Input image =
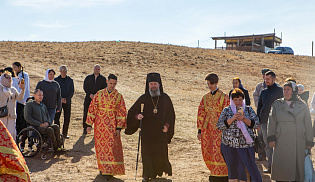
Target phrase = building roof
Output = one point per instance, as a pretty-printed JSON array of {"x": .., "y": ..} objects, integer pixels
[{"x": 266, "y": 36}]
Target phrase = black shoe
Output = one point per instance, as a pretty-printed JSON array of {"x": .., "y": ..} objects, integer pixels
[
  {"x": 84, "y": 132},
  {"x": 218, "y": 179},
  {"x": 145, "y": 179},
  {"x": 261, "y": 159},
  {"x": 108, "y": 177},
  {"x": 268, "y": 170},
  {"x": 67, "y": 137}
]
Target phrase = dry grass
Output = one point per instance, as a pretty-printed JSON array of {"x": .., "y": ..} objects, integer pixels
[{"x": 183, "y": 71}]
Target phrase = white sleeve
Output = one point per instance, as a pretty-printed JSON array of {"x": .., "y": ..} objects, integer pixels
[
  {"x": 27, "y": 87},
  {"x": 313, "y": 101}
]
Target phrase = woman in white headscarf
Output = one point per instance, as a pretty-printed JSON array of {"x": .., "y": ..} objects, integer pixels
[
  {"x": 304, "y": 95},
  {"x": 52, "y": 93},
  {"x": 8, "y": 97}
]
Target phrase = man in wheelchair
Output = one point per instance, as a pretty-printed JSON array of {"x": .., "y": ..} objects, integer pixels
[{"x": 36, "y": 114}]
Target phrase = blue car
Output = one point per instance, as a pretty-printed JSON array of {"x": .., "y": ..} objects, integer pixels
[{"x": 281, "y": 50}]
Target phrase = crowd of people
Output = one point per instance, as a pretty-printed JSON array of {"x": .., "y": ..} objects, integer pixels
[
  {"x": 226, "y": 122},
  {"x": 226, "y": 127},
  {"x": 18, "y": 110}
]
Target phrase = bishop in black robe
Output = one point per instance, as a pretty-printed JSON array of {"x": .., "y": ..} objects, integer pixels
[{"x": 158, "y": 113}]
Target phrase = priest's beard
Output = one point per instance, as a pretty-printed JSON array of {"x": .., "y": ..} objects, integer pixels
[{"x": 155, "y": 93}]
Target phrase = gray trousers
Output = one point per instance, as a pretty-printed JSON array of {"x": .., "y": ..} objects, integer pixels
[{"x": 269, "y": 151}]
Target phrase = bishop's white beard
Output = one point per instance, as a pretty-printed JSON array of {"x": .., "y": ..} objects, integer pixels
[{"x": 155, "y": 92}]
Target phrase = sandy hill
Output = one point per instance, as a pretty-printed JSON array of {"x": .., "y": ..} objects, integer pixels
[{"x": 183, "y": 71}]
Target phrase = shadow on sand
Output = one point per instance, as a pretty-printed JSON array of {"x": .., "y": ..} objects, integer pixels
[
  {"x": 36, "y": 164},
  {"x": 80, "y": 149},
  {"x": 162, "y": 180},
  {"x": 100, "y": 178}
]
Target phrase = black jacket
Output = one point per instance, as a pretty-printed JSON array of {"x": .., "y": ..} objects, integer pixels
[
  {"x": 266, "y": 99},
  {"x": 67, "y": 88},
  {"x": 247, "y": 99},
  {"x": 91, "y": 86}
]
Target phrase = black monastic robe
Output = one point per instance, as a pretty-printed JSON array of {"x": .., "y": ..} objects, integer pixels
[{"x": 154, "y": 142}]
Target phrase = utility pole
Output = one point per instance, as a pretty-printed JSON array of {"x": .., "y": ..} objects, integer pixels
[
  {"x": 253, "y": 43},
  {"x": 312, "y": 48},
  {"x": 198, "y": 43}
]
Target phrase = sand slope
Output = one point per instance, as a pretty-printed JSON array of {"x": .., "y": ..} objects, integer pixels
[{"x": 183, "y": 71}]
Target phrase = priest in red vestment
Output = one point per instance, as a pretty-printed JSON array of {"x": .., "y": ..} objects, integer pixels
[
  {"x": 209, "y": 111},
  {"x": 107, "y": 112},
  {"x": 12, "y": 164}
]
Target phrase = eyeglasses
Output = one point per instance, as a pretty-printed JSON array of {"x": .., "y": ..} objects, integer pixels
[
  {"x": 63, "y": 70},
  {"x": 7, "y": 77}
]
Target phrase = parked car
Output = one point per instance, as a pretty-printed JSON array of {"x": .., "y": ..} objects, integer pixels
[{"x": 281, "y": 50}]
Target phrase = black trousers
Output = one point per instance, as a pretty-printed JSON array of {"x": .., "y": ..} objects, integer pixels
[
  {"x": 66, "y": 115},
  {"x": 85, "y": 111},
  {"x": 20, "y": 121},
  {"x": 53, "y": 132}
]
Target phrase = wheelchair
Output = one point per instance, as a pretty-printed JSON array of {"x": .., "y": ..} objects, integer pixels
[{"x": 31, "y": 142}]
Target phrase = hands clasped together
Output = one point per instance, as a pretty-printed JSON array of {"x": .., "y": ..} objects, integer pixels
[{"x": 140, "y": 116}]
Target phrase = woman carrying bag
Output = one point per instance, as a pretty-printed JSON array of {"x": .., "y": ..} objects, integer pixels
[
  {"x": 290, "y": 134},
  {"x": 8, "y": 97}
]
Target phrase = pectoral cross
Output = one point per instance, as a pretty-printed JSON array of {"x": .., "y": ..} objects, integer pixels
[{"x": 155, "y": 110}]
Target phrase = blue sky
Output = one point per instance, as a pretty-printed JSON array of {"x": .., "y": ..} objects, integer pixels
[{"x": 158, "y": 21}]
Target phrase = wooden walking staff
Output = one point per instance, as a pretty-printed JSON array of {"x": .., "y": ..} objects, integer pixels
[{"x": 142, "y": 106}]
